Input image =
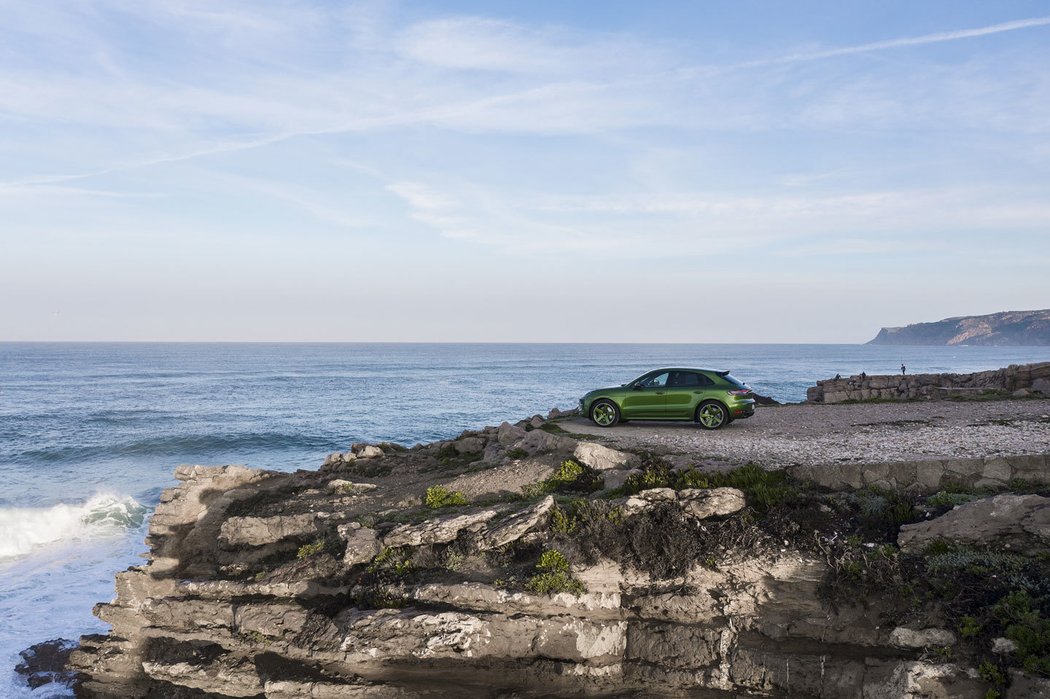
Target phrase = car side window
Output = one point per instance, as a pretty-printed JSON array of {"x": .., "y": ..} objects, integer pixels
[
  {"x": 658, "y": 381},
  {"x": 689, "y": 379},
  {"x": 683, "y": 379}
]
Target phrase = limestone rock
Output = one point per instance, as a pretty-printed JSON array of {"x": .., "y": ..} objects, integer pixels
[
  {"x": 602, "y": 458},
  {"x": 469, "y": 445},
  {"x": 362, "y": 543},
  {"x": 1003, "y": 646},
  {"x": 615, "y": 478},
  {"x": 517, "y": 525},
  {"x": 647, "y": 498},
  {"x": 918, "y": 639},
  {"x": 344, "y": 487},
  {"x": 543, "y": 442},
  {"x": 1015, "y": 521},
  {"x": 440, "y": 530},
  {"x": 44, "y": 663},
  {"x": 509, "y": 434},
  {"x": 699, "y": 503},
  {"x": 506, "y": 478},
  {"x": 368, "y": 451},
  {"x": 257, "y": 531},
  {"x": 715, "y": 502},
  {"x": 375, "y": 635}
]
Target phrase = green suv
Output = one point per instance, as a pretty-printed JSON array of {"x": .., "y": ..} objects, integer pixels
[{"x": 712, "y": 398}]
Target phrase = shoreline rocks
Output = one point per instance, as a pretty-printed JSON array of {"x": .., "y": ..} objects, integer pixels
[{"x": 534, "y": 576}]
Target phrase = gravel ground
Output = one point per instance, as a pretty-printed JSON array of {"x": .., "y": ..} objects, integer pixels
[{"x": 863, "y": 432}]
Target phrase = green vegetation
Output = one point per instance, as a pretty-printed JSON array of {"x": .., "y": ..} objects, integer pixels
[
  {"x": 308, "y": 550},
  {"x": 763, "y": 489},
  {"x": 950, "y": 499},
  {"x": 439, "y": 496},
  {"x": 393, "y": 561},
  {"x": 571, "y": 477},
  {"x": 969, "y": 627},
  {"x": 579, "y": 513},
  {"x": 1026, "y": 623},
  {"x": 553, "y": 576},
  {"x": 517, "y": 453},
  {"x": 254, "y": 637}
]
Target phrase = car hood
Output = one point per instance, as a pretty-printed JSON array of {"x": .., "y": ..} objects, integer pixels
[{"x": 610, "y": 389}]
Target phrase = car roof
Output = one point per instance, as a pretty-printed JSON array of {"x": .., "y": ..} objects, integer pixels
[{"x": 720, "y": 372}]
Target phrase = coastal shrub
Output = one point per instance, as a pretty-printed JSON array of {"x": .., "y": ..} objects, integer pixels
[
  {"x": 992, "y": 674},
  {"x": 988, "y": 593},
  {"x": 553, "y": 576},
  {"x": 969, "y": 627},
  {"x": 763, "y": 488},
  {"x": 662, "y": 540},
  {"x": 517, "y": 453},
  {"x": 1026, "y": 624},
  {"x": 877, "y": 514},
  {"x": 571, "y": 477},
  {"x": 949, "y": 500},
  {"x": 391, "y": 562},
  {"x": 311, "y": 549},
  {"x": 580, "y": 513},
  {"x": 859, "y": 571},
  {"x": 439, "y": 496}
]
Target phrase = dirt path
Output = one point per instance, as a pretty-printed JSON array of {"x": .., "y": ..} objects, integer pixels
[{"x": 865, "y": 432}]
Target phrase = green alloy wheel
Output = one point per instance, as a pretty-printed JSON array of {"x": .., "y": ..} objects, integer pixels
[
  {"x": 711, "y": 415},
  {"x": 605, "y": 413}
]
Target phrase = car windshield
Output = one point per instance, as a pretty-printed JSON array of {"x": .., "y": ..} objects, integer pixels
[{"x": 651, "y": 380}]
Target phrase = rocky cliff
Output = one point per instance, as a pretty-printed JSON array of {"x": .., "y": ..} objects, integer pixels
[
  {"x": 1007, "y": 328},
  {"x": 521, "y": 561},
  {"x": 1019, "y": 380}
]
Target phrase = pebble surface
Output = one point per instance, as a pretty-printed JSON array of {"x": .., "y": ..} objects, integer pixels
[{"x": 814, "y": 434}]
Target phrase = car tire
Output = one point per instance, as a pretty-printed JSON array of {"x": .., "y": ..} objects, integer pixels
[
  {"x": 712, "y": 415},
  {"x": 604, "y": 413}
]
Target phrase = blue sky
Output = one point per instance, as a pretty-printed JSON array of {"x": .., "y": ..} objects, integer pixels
[{"x": 524, "y": 171}]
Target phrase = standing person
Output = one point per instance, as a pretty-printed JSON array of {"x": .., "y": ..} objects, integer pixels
[{"x": 903, "y": 368}]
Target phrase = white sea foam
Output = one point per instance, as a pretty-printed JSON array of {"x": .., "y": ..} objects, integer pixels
[{"x": 23, "y": 529}]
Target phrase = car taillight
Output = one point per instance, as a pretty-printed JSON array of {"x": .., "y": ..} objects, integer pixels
[{"x": 740, "y": 392}]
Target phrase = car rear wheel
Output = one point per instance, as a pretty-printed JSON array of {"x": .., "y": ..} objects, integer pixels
[
  {"x": 604, "y": 413},
  {"x": 711, "y": 415}
]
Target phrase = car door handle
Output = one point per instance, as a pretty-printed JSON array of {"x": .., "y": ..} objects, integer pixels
[{"x": 659, "y": 393}]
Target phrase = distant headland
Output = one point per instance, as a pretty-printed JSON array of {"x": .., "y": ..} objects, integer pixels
[{"x": 1008, "y": 328}]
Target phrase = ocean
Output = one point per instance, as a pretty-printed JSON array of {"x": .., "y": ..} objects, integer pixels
[{"x": 90, "y": 433}]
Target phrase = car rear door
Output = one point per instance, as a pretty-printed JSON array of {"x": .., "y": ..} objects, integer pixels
[
  {"x": 685, "y": 390},
  {"x": 647, "y": 398}
]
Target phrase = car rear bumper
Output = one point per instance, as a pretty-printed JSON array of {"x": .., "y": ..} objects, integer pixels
[{"x": 742, "y": 409}]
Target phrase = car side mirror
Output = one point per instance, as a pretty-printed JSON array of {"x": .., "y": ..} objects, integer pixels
[{"x": 637, "y": 387}]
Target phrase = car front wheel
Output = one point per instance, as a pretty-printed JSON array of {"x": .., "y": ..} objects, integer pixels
[
  {"x": 711, "y": 415},
  {"x": 604, "y": 413}
]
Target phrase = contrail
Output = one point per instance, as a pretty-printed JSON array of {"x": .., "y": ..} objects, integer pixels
[{"x": 906, "y": 41}]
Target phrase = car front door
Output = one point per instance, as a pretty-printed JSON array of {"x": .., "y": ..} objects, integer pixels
[
  {"x": 685, "y": 390},
  {"x": 647, "y": 398}
]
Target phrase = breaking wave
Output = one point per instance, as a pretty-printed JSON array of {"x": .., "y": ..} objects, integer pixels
[{"x": 24, "y": 528}]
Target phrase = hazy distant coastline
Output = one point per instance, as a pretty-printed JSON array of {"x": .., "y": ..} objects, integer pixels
[{"x": 1005, "y": 329}]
